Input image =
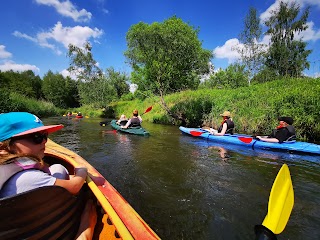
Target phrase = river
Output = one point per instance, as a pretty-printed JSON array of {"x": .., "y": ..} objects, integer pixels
[{"x": 187, "y": 188}]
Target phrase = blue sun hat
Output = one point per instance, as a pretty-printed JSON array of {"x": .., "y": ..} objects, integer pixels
[{"x": 16, "y": 124}]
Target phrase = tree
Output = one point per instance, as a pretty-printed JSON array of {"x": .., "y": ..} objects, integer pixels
[
  {"x": 88, "y": 74},
  {"x": 118, "y": 81},
  {"x": 166, "y": 57},
  {"x": 62, "y": 92},
  {"x": 287, "y": 55},
  {"x": 234, "y": 76},
  {"x": 250, "y": 50},
  {"x": 25, "y": 83}
]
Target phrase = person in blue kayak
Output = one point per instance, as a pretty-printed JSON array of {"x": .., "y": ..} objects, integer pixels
[
  {"x": 284, "y": 132},
  {"x": 135, "y": 121},
  {"x": 226, "y": 127}
]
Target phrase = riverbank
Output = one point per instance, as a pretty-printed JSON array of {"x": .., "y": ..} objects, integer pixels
[{"x": 254, "y": 109}]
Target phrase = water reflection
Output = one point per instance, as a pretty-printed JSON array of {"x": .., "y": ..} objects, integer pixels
[{"x": 186, "y": 188}]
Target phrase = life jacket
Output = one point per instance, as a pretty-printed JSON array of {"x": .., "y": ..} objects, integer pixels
[
  {"x": 230, "y": 126},
  {"x": 135, "y": 122},
  {"x": 18, "y": 165}
]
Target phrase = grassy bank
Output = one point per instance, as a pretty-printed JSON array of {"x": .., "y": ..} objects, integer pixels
[
  {"x": 254, "y": 109},
  {"x": 11, "y": 102}
]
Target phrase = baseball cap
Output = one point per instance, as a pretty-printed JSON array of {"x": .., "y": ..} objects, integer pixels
[
  {"x": 16, "y": 124},
  {"x": 288, "y": 120}
]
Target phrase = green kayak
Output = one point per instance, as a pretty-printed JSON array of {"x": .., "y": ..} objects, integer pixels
[{"x": 132, "y": 130}]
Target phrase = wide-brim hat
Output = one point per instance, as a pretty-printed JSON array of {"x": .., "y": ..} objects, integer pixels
[
  {"x": 288, "y": 120},
  {"x": 225, "y": 114},
  {"x": 16, "y": 124}
]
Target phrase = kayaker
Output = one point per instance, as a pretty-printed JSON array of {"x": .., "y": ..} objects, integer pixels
[
  {"x": 226, "y": 127},
  {"x": 284, "y": 132},
  {"x": 122, "y": 120},
  {"x": 22, "y": 144},
  {"x": 135, "y": 121}
]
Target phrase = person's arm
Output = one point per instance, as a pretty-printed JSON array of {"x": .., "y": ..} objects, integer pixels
[
  {"x": 140, "y": 119},
  {"x": 223, "y": 131},
  {"x": 74, "y": 184},
  {"x": 266, "y": 139},
  {"x": 127, "y": 125}
]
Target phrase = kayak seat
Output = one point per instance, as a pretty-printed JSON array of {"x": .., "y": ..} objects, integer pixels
[
  {"x": 230, "y": 131},
  {"x": 49, "y": 212},
  {"x": 291, "y": 139}
]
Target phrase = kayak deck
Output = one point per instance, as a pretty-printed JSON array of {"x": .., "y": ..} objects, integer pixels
[
  {"x": 131, "y": 130},
  {"x": 251, "y": 142},
  {"x": 60, "y": 211}
]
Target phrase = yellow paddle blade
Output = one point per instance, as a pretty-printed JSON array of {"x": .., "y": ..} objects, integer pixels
[{"x": 281, "y": 202}]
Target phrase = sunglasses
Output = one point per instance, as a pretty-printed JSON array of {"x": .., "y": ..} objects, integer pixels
[{"x": 36, "y": 138}]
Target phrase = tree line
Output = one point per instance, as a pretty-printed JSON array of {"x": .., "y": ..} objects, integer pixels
[{"x": 168, "y": 57}]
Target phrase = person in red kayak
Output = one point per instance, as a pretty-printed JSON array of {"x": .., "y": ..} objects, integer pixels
[{"x": 284, "y": 132}]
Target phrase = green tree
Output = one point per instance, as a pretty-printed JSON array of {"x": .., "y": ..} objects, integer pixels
[
  {"x": 166, "y": 57},
  {"x": 234, "y": 76},
  {"x": 118, "y": 81},
  {"x": 287, "y": 55},
  {"x": 91, "y": 85},
  {"x": 62, "y": 92},
  {"x": 25, "y": 83},
  {"x": 250, "y": 50}
]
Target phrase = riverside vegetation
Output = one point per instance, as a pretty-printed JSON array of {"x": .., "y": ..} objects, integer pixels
[{"x": 254, "y": 108}]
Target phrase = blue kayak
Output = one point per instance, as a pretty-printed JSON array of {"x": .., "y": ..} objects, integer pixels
[
  {"x": 249, "y": 141},
  {"x": 130, "y": 130}
]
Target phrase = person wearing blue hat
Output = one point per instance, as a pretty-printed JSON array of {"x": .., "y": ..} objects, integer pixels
[
  {"x": 22, "y": 144},
  {"x": 284, "y": 132}
]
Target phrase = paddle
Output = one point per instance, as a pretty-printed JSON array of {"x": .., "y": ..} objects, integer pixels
[
  {"x": 280, "y": 205},
  {"x": 103, "y": 124},
  {"x": 196, "y": 133},
  {"x": 147, "y": 110}
]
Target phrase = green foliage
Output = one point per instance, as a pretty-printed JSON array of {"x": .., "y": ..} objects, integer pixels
[
  {"x": 287, "y": 55},
  {"x": 254, "y": 109},
  {"x": 234, "y": 76},
  {"x": 166, "y": 57},
  {"x": 25, "y": 83},
  {"x": 251, "y": 51},
  {"x": 16, "y": 102},
  {"x": 62, "y": 92},
  {"x": 118, "y": 81}
]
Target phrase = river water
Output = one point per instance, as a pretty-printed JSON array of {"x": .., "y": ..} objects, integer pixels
[{"x": 187, "y": 188}]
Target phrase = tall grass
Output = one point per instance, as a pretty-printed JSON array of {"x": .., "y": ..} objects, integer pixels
[
  {"x": 254, "y": 109},
  {"x": 11, "y": 102}
]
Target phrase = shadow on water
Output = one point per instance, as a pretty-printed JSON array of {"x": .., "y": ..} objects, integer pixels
[{"x": 186, "y": 188}]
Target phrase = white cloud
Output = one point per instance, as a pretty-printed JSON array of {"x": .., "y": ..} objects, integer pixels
[
  {"x": 302, "y": 3},
  {"x": 227, "y": 50},
  {"x": 77, "y": 36},
  {"x": 4, "y": 53},
  {"x": 133, "y": 87},
  {"x": 67, "y": 9},
  {"x": 10, "y": 65},
  {"x": 310, "y": 34}
]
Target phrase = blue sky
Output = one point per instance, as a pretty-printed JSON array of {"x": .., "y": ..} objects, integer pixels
[{"x": 34, "y": 34}]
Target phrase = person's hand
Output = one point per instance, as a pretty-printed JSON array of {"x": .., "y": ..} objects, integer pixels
[{"x": 81, "y": 171}]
